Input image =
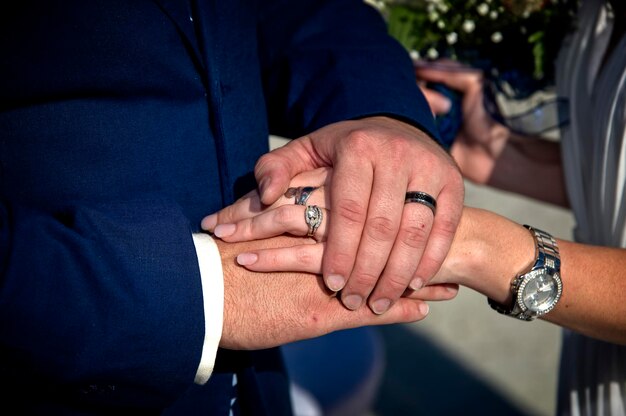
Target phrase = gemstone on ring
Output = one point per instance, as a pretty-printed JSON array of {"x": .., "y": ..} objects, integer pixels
[{"x": 313, "y": 217}]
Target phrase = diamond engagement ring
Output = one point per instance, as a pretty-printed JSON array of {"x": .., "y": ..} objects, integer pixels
[{"x": 313, "y": 216}]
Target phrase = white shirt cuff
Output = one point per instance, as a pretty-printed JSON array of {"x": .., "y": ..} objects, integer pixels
[{"x": 212, "y": 276}]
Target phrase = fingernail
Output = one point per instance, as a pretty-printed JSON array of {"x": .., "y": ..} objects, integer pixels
[
  {"x": 424, "y": 308},
  {"x": 209, "y": 222},
  {"x": 224, "y": 230},
  {"x": 335, "y": 282},
  {"x": 380, "y": 306},
  {"x": 352, "y": 301},
  {"x": 246, "y": 259},
  {"x": 416, "y": 284}
]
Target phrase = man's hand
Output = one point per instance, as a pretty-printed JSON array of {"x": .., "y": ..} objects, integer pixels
[
  {"x": 373, "y": 233},
  {"x": 263, "y": 310}
]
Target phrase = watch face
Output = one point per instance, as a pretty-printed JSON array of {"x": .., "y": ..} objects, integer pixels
[{"x": 539, "y": 291}]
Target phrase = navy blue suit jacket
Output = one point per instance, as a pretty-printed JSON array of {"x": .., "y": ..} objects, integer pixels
[{"x": 123, "y": 123}]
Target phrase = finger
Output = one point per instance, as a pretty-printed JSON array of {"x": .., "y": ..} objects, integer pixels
[
  {"x": 308, "y": 258},
  {"x": 436, "y": 292},
  {"x": 405, "y": 310},
  {"x": 250, "y": 204},
  {"x": 299, "y": 258},
  {"x": 417, "y": 220},
  {"x": 379, "y": 233},
  {"x": 449, "y": 209},
  {"x": 274, "y": 170},
  {"x": 350, "y": 196},
  {"x": 317, "y": 196},
  {"x": 284, "y": 219},
  {"x": 245, "y": 207}
]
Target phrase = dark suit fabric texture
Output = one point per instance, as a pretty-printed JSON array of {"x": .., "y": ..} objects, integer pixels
[{"x": 123, "y": 123}]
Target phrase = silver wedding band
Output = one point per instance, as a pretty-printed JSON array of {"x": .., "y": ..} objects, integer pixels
[
  {"x": 313, "y": 216},
  {"x": 301, "y": 193},
  {"x": 421, "y": 198}
]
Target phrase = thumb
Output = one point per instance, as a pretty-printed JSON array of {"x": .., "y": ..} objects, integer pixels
[{"x": 274, "y": 170}]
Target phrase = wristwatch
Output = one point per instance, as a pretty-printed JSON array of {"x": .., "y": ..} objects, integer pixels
[{"x": 537, "y": 291}]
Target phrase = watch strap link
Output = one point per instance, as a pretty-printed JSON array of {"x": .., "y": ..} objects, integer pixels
[
  {"x": 546, "y": 255},
  {"x": 547, "y": 249}
]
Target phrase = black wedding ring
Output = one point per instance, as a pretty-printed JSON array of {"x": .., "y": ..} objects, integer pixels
[{"x": 421, "y": 198}]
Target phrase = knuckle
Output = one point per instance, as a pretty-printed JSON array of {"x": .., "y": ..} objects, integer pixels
[
  {"x": 398, "y": 148},
  {"x": 350, "y": 210},
  {"x": 406, "y": 312},
  {"x": 271, "y": 260},
  {"x": 381, "y": 229},
  {"x": 246, "y": 229},
  {"x": 360, "y": 280},
  {"x": 303, "y": 255},
  {"x": 395, "y": 283},
  {"x": 357, "y": 142},
  {"x": 415, "y": 236},
  {"x": 428, "y": 266},
  {"x": 283, "y": 216},
  {"x": 339, "y": 262},
  {"x": 263, "y": 161},
  {"x": 447, "y": 226}
]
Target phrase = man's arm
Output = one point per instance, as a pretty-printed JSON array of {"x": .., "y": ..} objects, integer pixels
[{"x": 97, "y": 295}]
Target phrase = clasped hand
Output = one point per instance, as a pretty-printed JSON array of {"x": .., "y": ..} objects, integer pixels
[
  {"x": 376, "y": 245},
  {"x": 248, "y": 220}
]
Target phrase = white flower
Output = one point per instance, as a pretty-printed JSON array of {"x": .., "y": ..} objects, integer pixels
[
  {"x": 496, "y": 37},
  {"x": 441, "y": 24},
  {"x": 451, "y": 38},
  {"x": 493, "y": 15},
  {"x": 482, "y": 9},
  {"x": 432, "y": 53},
  {"x": 443, "y": 8},
  {"x": 432, "y": 16},
  {"x": 469, "y": 26},
  {"x": 415, "y": 55}
]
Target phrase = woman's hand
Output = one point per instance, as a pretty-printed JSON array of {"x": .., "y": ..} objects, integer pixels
[
  {"x": 247, "y": 220},
  {"x": 481, "y": 139}
]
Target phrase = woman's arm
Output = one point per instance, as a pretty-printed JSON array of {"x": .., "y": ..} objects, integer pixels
[
  {"x": 490, "y": 250},
  {"x": 489, "y": 153}
]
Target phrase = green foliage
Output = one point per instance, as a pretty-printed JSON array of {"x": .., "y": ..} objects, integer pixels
[{"x": 498, "y": 35}]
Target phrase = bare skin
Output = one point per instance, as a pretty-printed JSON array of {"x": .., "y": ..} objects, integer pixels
[
  {"x": 488, "y": 251},
  {"x": 263, "y": 310},
  {"x": 375, "y": 240},
  {"x": 489, "y": 153}
]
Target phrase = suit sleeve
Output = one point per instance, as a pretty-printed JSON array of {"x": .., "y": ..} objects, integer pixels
[
  {"x": 100, "y": 303},
  {"x": 329, "y": 61}
]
